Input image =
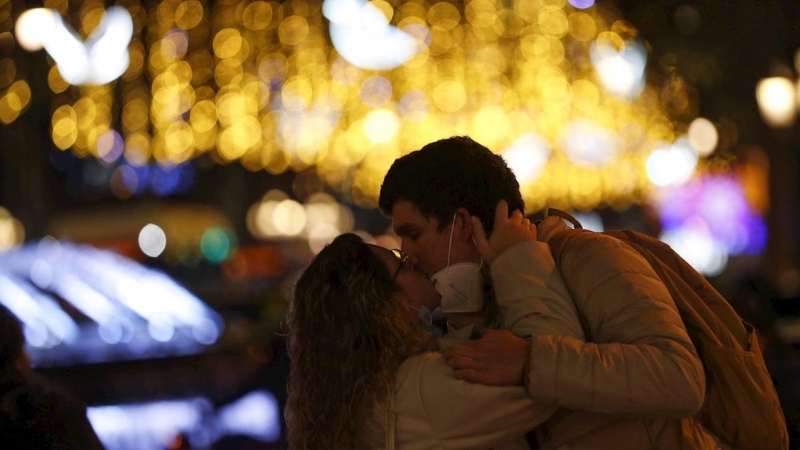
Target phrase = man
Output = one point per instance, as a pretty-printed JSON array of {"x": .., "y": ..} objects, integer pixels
[
  {"x": 617, "y": 396},
  {"x": 32, "y": 414}
]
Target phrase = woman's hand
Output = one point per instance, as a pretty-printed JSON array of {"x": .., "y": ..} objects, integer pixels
[{"x": 508, "y": 231}]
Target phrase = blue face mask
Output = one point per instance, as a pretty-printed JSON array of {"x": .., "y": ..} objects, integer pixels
[{"x": 433, "y": 320}]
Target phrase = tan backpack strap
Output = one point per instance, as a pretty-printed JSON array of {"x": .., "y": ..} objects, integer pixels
[
  {"x": 564, "y": 215},
  {"x": 390, "y": 419}
]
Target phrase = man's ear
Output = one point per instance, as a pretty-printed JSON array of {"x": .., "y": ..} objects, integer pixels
[{"x": 463, "y": 228}]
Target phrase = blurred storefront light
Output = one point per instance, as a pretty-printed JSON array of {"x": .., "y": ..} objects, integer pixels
[
  {"x": 703, "y": 136},
  {"x": 776, "y": 101},
  {"x": 319, "y": 219},
  {"x": 708, "y": 219}
]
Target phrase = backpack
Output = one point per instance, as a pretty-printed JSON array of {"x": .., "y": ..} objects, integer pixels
[{"x": 741, "y": 406}]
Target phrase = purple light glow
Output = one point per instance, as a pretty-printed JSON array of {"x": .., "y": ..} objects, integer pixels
[
  {"x": 719, "y": 201},
  {"x": 581, "y": 4}
]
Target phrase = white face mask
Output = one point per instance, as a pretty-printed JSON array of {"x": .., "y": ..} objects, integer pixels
[{"x": 461, "y": 285}]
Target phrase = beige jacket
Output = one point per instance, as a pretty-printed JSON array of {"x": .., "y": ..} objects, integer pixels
[
  {"x": 627, "y": 390},
  {"x": 435, "y": 410}
]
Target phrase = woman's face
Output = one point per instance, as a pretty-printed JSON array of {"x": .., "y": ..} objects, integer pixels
[{"x": 417, "y": 289}]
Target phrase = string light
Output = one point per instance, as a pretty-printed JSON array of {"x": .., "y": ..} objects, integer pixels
[{"x": 270, "y": 85}]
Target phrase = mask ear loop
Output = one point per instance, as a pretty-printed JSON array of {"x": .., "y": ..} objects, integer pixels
[
  {"x": 449, "y": 248},
  {"x": 450, "y": 244},
  {"x": 476, "y": 245}
]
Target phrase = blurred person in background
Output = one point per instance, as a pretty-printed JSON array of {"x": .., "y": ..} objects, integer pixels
[
  {"x": 365, "y": 372},
  {"x": 34, "y": 415}
]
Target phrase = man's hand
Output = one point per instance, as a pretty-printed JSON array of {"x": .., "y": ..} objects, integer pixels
[
  {"x": 497, "y": 359},
  {"x": 507, "y": 232}
]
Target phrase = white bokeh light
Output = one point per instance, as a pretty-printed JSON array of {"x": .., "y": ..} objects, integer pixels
[
  {"x": 152, "y": 240},
  {"x": 621, "y": 72},
  {"x": 381, "y": 125},
  {"x": 32, "y": 27},
  {"x": 588, "y": 144},
  {"x": 703, "y": 136},
  {"x": 694, "y": 243},
  {"x": 102, "y": 58},
  {"x": 672, "y": 165},
  {"x": 527, "y": 156},
  {"x": 361, "y": 33},
  {"x": 776, "y": 101},
  {"x": 289, "y": 217}
]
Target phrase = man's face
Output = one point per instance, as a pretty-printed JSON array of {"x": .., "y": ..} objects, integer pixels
[{"x": 422, "y": 240}]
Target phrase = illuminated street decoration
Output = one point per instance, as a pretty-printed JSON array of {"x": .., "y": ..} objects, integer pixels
[
  {"x": 283, "y": 86},
  {"x": 118, "y": 309},
  {"x": 149, "y": 425},
  {"x": 360, "y": 32},
  {"x": 102, "y": 58}
]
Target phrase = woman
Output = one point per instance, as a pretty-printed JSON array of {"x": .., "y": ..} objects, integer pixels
[{"x": 361, "y": 359}]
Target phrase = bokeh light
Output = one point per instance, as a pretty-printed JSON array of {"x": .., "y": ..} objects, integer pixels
[
  {"x": 152, "y": 240},
  {"x": 345, "y": 87},
  {"x": 776, "y": 100},
  {"x": 12, "y": 233}
]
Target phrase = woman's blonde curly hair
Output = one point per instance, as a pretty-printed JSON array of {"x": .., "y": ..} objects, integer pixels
[{"x": 349, "y": 331}]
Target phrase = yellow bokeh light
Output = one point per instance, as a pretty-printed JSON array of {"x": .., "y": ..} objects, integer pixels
[
  {"x": 137, "y": 149},
  {"x": 381, "y": 125},
  {"x": 64, "y": 127},
  {"x": 134, "y": 115},
  {"x": 231, "y": 107},
  {"x": 12, "y": 233},
  {"x": 203, "y": 116},
  {"x": 257, "y": 15},
  {"x": 56, "y": 83},
  {"x": 178, "y": 141},
  {"x": 8, "y": 70},
  {"x": 86, "y": 112},
  {"x": 489, "y": 126},
  {"x": 227, "y": 43},
  {"x": 22, "y": 93},
  {"x": 449, "y": 96},
  {"x": 444, "y": 15},
  {"x": 582, "y": 26},
  {"x": 90, "y": 19},
  {"x": 293, "y": 30},
  {"x": 553, "y": 21},
  {"x": 189, "y": 14},
  {"x": 258, "y": 82},
  {"x": 58, "y": 5}
]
